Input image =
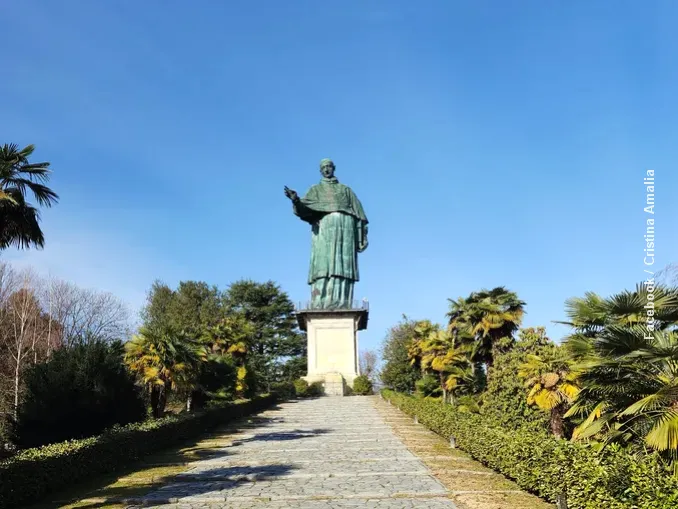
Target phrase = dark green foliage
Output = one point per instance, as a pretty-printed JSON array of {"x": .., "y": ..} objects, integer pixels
[
  {"x": 193, "y": 306},
  {"x": 19, "y": 219},
  {"x": 276, "y": 333},
  {"x": 315, "y": 390},
  {"x": 429, "y": 386},
  {"x": 398, "y": 373},
  {"x": 294, "y": 368},
  {"x": 483, "y": 319},
  {"x": 549, "y": 467},
  {"x": 196, "y": 305},
  {"x": 79, "y": 392},
  {"x": 304, "y": 390},
  {"x": 252, "y": 383},
  {"x": 7, "y": 434},
  {"x": 479, "y": 378},
  {"x": 301, "y": 388},
  {"x": 217, "y": 378},
  {"x": 276, "y": 350},
  {"x": 505, "y": 400},
  {"x": 362, "y": 386},
  {"x": 34, "y": 473},
  {"x": 284, "y": 390}
]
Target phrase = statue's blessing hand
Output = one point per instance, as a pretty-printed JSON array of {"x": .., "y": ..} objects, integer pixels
[{"x": 291, "y": 194}]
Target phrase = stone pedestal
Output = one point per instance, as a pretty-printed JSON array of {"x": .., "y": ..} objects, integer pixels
[{"x": 333, "y": 346}]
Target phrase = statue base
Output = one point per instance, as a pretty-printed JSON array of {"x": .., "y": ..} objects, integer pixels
[{"x": 332, "y": 346}]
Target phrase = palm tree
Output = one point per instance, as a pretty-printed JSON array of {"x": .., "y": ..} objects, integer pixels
[
  {"x": 590, "y": 315},
  {"x": 163, "y": 360},
  {"x": 422, "y": 330},
  {"x": 552, "y": 385},
  {"x": 434, "y": 350},
  {"x": 629, "y": 371},
  {"x": 19, "y": 220},
  {"x": 485, "y": 317},
  {"x": 232, "y": 337},
  {"x": 630, "y": 389}
]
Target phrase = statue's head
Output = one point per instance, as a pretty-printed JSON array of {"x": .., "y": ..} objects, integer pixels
[{"x": 327, "y": 168}]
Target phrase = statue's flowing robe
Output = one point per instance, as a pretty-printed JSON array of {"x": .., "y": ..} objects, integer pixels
[{"x": 338, "y": 223}]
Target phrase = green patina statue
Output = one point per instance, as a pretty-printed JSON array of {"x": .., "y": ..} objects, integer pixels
[{"x": 339, "y": 232}]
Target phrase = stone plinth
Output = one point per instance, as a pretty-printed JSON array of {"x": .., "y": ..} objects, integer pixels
[{"x": 333, "y": 346}]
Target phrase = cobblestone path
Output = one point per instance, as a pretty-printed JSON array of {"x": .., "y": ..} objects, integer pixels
[{"x": 330, "y": 453}]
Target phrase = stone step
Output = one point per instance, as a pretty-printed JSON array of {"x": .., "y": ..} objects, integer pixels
[
  {"x": 317, "y": 464},
  {"x": 402, "y": 502},
  {"x": 282, "y": 487},
  {"x": 270, "y": 474},
  {"x": 345, "y": 451}
]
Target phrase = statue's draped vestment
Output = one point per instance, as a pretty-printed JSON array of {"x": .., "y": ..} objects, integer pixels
[{"x": 338, "y": 223}]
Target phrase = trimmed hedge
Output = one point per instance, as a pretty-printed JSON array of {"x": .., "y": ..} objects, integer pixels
[
  {"x": 549, "y": 467},
  {"x": 362, "y": 386},
  {"x": 33, "y": 473}
]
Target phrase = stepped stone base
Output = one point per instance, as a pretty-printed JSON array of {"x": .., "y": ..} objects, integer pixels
[
  {"x": 332, "y": 347},
  {"x": 334, "y": 384}
]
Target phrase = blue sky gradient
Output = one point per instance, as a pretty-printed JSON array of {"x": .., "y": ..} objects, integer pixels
[{"x": 491, "y": 143}]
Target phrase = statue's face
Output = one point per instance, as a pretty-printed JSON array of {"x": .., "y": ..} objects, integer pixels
[{"x": 327, "y": 169}]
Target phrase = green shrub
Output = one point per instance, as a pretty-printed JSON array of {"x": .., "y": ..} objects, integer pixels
[
  {"x": 428, "y": 386},
  {"x": 315, "y": 390},
  {"x": 362, "y": 385},
  {"x": 284, "y": 390},
  {"x": 398, "y": 372},
  {"x": 505, "y": 400},
  {"x": 548, "y": 467},
  {"x": 80, "y": 391},
  {"x": 217, "y": 378},
  {"x": 33, "y": 473},
  {"x": 301, "y": 388}
]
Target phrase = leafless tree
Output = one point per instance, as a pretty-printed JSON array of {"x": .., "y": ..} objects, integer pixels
[
  {"x": 21, "y": 324},
  {"x": 368, "y": 363},
  {"x": 668, "y": 275},
  {"x": 38, "y": 316},
  {"x": 80, "y": 313}
]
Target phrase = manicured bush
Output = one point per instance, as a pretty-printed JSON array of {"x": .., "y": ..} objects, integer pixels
[
  {"x": 315, "y": 390},
  {"x": 301, "y": 388},
  {"x": 80, "y": 391},
  {"x": 615, "y": 479},
  {"x": 33, "y": 473},
  {"x": 362, "y": 385},
  {"x": 284, "y": 390}
]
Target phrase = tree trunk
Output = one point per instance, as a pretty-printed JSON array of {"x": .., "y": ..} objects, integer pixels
[
  {"x": 158, "y": 401},
  {"x": 442, "y": 386},
  {"x": 556, "y": 421},
  {"x": 162, "y": 401},
  {"x": 17, "y": 380},
  {"x": 155, "y": 397},
  {"x": 189, "y": 402}
]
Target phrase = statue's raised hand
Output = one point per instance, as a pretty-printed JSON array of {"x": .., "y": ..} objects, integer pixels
[{"x": 291, "y": 194}]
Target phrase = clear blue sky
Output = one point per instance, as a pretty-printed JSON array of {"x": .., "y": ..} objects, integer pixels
[{"x": 491, "y": 143}]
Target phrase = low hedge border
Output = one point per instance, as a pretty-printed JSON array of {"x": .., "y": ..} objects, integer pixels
[
  {"x": 549, "y": 467},
  {"x": 33, "y": 473}
]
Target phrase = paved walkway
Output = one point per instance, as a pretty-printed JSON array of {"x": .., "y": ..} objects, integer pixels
[{"x": 330, "y": 453}]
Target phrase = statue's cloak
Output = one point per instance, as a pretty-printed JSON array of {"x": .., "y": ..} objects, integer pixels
[
  {"x": 329, "y": 196},
  {"x": 338, "y": 221}
]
